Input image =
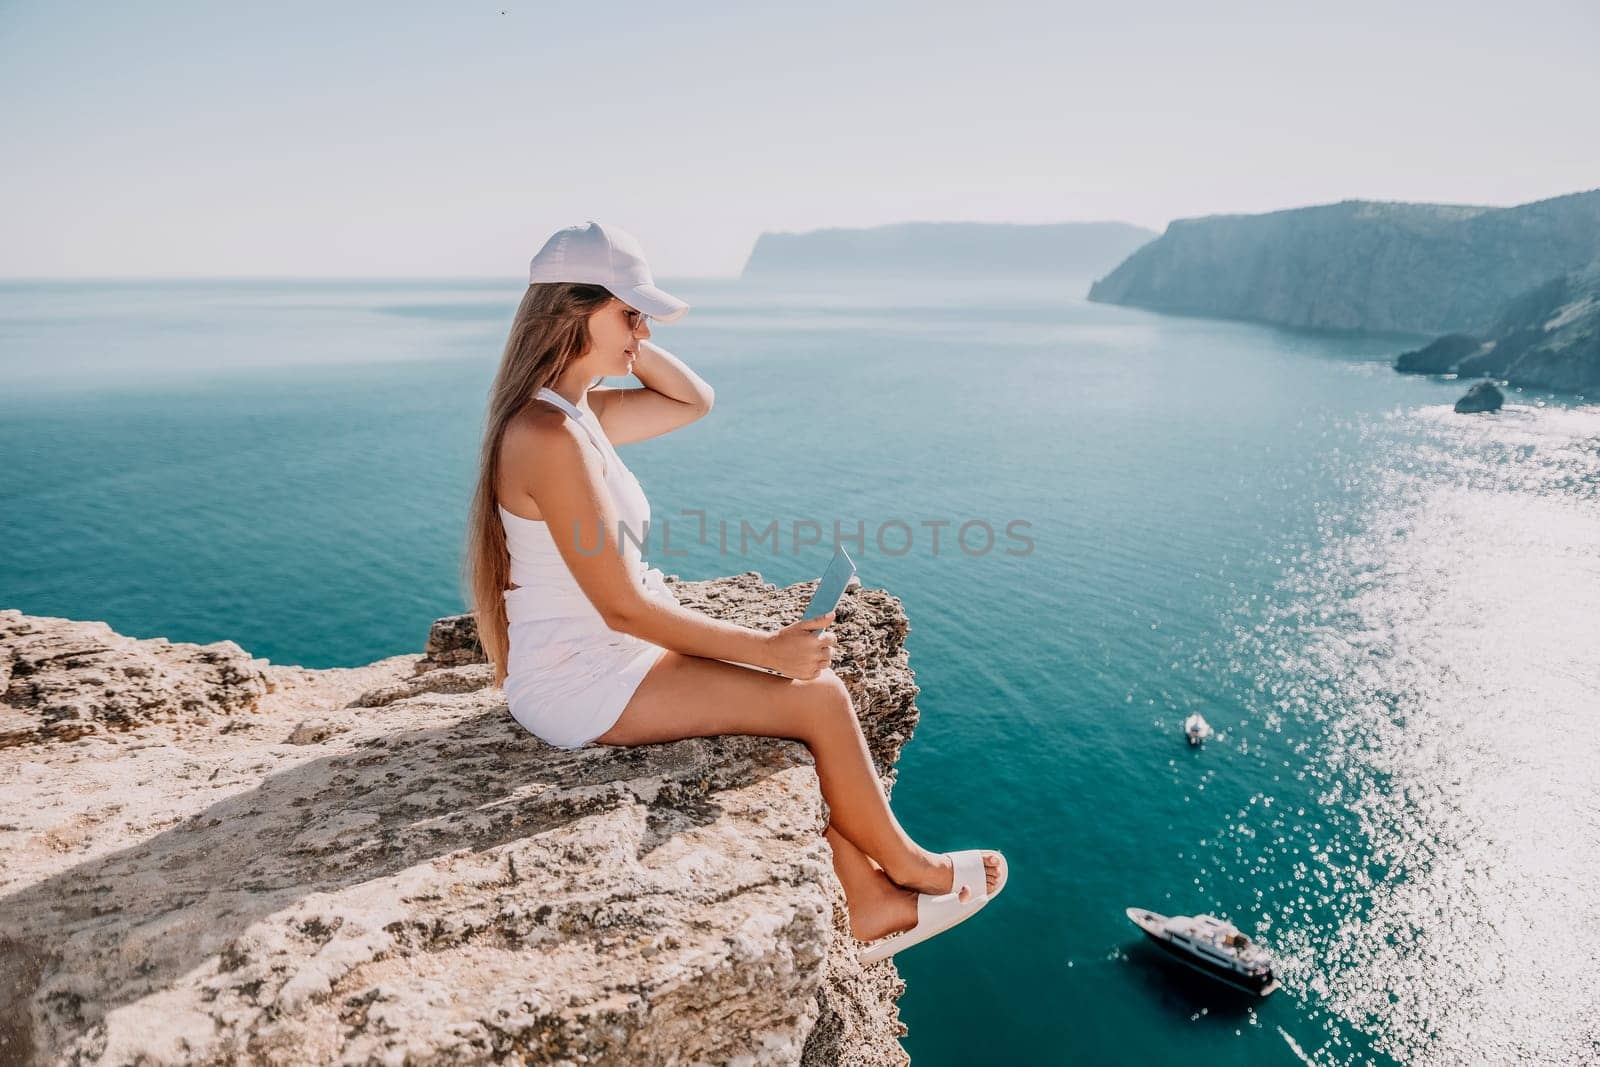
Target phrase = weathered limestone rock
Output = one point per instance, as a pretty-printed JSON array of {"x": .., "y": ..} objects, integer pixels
[
  {"x": 249, "y": 863},
  {"x": 61, "y": 680},
  {"x": 452, "y": 642}
]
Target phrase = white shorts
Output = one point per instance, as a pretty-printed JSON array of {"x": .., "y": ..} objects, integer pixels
[{"x": 569, "y": 691}]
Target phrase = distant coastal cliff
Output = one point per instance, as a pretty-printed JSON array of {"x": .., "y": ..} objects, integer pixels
[
  {"x": 1359, "y": 265},
  {"x": 1076, "y": 250},
  {"x": 210, "y": 858}
]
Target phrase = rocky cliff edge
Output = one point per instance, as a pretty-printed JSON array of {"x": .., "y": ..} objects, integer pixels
[{"x": 209, "y": 858}]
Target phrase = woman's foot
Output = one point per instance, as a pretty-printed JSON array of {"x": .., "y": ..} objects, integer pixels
[
  {"x": 889, "y": 910},
  {"x": 936, "y": 872},
  {"x": 892, "y": 908}
]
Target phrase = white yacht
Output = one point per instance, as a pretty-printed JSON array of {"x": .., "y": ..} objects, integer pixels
[
  {"x": 1196, "y": 729},
  {"x": 1212, "y": 947}
]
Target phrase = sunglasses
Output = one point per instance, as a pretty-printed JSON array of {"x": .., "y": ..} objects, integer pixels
[{"x": 635, "y": 319}]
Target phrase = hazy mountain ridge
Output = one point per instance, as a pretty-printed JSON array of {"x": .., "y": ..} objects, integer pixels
[
  {"x": 1360, "y": 265},
  {"x": 1079, "y": 250}
]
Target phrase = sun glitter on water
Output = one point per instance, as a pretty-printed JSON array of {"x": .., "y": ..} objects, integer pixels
[{"x": 1441, "y": 657}]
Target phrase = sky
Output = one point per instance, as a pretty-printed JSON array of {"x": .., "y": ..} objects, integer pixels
[{"x": 168, "y": 139}]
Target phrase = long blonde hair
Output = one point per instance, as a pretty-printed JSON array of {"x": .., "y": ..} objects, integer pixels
[{"x": 550, "y": 330}]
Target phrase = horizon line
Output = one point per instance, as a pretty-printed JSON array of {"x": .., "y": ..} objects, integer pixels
[
  {"x": 13, "y": 279},
  {"x": 485, "y": 278}
]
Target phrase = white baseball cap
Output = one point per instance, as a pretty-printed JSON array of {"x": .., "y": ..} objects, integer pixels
[{"x": 608, "y": 256}]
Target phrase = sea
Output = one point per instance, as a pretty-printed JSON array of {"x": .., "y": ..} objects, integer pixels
[{"x": 1389, "y": 613}]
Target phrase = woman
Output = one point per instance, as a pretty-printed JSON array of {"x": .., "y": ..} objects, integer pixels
[{"x": 589, "y": 642}]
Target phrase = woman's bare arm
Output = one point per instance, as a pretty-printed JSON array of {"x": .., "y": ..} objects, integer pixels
[
  {"x": 668, "y": 375},
  {"x": 568, "y": 484},
  {"x": 673, "y": 396}
]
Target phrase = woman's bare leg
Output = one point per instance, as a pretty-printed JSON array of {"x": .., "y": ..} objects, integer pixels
[
  {"x": 689, "y": 696},
  {"x": 877, "y": 906}
]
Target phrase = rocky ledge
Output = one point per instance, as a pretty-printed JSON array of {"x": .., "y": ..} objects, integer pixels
[{"x": 213, "y": 859}]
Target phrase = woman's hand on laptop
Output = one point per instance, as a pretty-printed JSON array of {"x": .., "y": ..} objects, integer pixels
[{"x": 798, "y": 651}]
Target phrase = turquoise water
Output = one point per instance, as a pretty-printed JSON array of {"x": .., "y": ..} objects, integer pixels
[{"x": 1387, "y": 611}]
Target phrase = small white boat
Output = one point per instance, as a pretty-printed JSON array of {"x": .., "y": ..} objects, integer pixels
[
  {"x": 1211, "y": 946},
  {"x": 1196, "y": 729}
]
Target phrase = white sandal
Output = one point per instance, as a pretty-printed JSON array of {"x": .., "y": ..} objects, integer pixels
[{"x": 938, "y": 912}]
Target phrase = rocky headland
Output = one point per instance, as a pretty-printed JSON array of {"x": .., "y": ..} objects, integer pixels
[
  {"x": 1361, "y": 265},
  {"x": 210, "y": 858},
  {"x": 1546, "y": 338},
  {"x": 1514, "y": 292}
]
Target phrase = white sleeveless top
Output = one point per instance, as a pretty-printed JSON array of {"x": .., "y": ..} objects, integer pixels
[{"x": 547, "y": 590}]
